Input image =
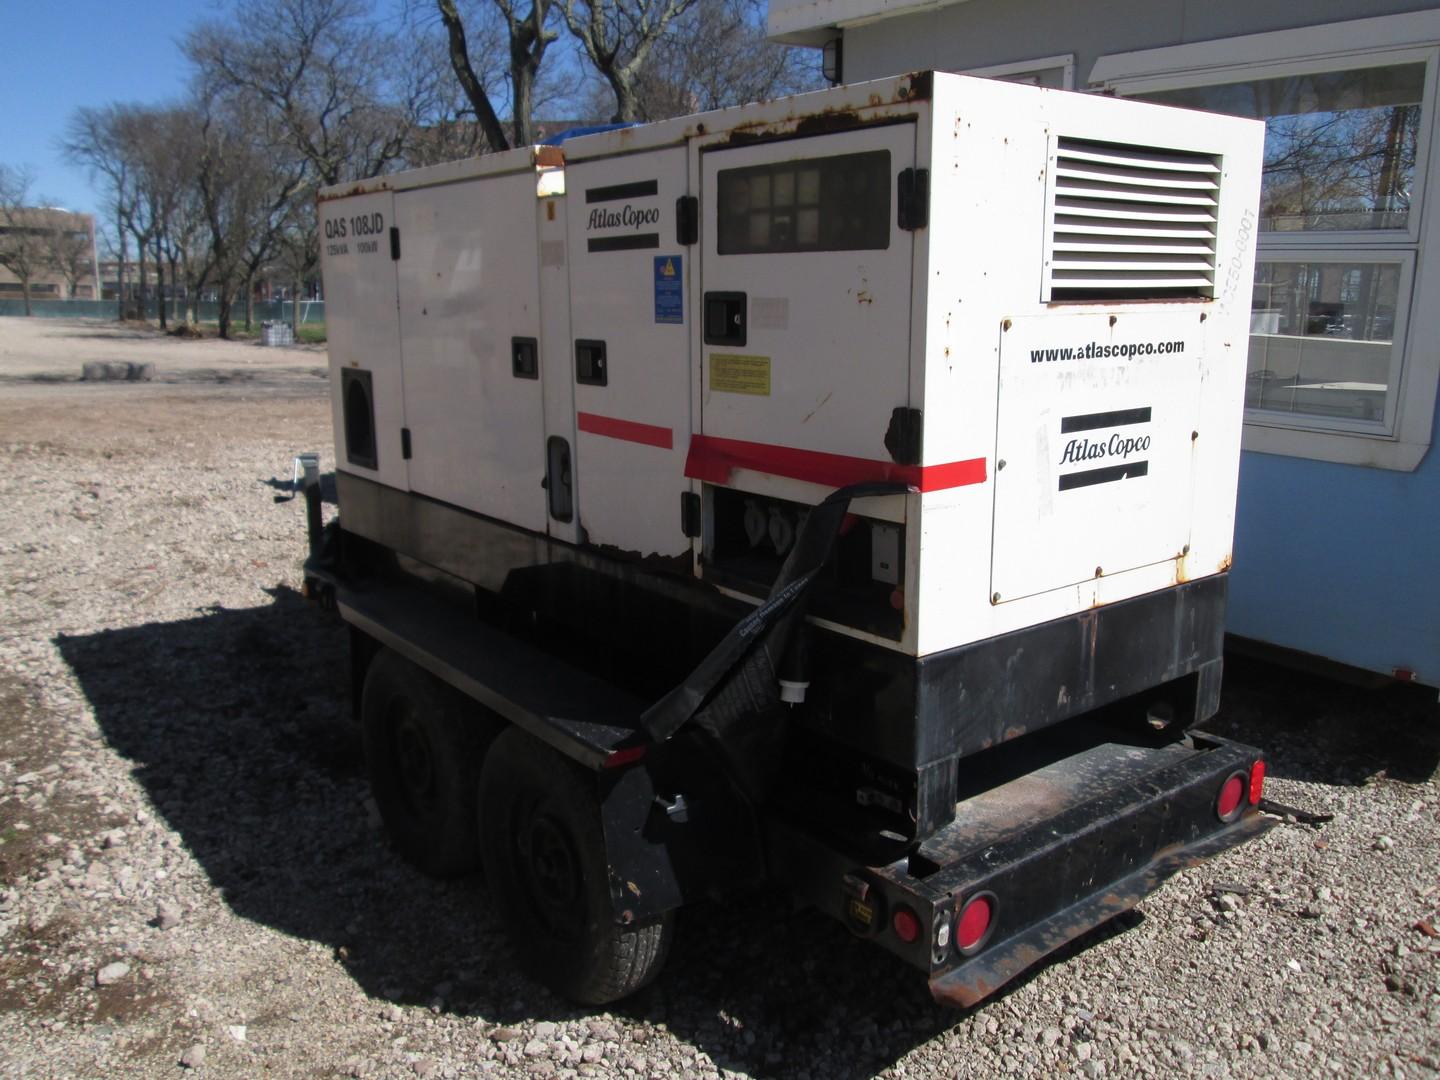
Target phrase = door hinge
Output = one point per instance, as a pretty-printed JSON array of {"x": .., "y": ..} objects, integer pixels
[
  {"x": 912, "y": 205},
  {"x": 687, "y": 219},
  {"x": 394, "y": 241},
  {"x": 405, "y": 443}
]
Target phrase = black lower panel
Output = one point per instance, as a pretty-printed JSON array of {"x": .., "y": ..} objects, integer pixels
[
  {"x": 644, "y": 626},
  {"x": 968, "y": 699}
]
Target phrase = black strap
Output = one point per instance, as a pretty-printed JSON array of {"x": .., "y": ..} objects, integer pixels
[{"x": 801, "y": 568}]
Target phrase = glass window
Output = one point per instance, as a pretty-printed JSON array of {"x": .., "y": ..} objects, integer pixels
[
  {"x": 1322, "y": 335},
  {"x": 1340, "y": 146},
  {"x": 837, "y": 203}
]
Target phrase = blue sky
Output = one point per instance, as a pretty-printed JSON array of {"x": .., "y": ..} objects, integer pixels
[
  {"x": 58, "y": 58},
  {"x": 92, "y": 52}
]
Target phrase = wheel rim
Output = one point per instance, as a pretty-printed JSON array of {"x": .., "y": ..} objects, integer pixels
[
  {"x": 414, "y": 759},
  {"x": 550, "y": 870}
]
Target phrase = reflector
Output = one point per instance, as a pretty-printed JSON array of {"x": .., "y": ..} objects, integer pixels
[
  {"x": 1257, "y": 782},
  {"x": 1232, "y": 792},
  {"x": 974, "y": 922},
  {"x": 906, "y": 924}
]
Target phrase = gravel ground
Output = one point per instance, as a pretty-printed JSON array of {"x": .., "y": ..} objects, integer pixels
[{"x": 192, "y": 876}]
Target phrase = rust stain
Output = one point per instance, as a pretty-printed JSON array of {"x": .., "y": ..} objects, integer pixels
[
  {"x": 832, "y": 119},
  {"x": 549, "y": 156},
  {"x": 360, "y": 187},
  {"x": 921, "y": 88}
]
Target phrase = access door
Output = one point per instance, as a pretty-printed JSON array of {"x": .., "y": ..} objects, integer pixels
[
  {"x": 806, "y": 296},
  {"x": 629, "y": 351},
  {"x": 469, "y": 297}
]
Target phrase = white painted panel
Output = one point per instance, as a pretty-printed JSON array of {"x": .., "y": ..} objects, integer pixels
[
  {"x": 829, "y": 329},
  {"x": 363, "y": 327},
  {"x": 634, "y": 431},
  {"x": 1096, "y": 415},
  {"x": 557, "y": 383},
  {"x": 469, "y": 282}
]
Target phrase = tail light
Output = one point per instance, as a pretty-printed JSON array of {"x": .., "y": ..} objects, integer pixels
[
  {"x": 974, "y": 923},
  {"x": 1231, "y": 799},
  {"x": 1257, "y": 782},
  {"x": 905, "y": 923}
]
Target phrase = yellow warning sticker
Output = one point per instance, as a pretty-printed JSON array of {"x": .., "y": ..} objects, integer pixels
[{"x": 736, "y": 374}]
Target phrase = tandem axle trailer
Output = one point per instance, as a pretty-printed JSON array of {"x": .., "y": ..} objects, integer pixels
[{"x": 834, "y": 495}]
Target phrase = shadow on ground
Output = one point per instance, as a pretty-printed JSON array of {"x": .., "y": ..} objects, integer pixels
[
  {"x": 236, "y": 723},
  {"x": 1316, "y": 729}
]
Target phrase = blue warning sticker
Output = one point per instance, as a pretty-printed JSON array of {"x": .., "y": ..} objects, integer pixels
[{"x": 669, "y": 290}]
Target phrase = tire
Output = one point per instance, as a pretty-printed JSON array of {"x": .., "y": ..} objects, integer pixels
[
  {"x": 424, "y": 742},
  {"x": 544, "y": 855}
]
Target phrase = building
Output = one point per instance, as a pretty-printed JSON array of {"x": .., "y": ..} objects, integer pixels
[
  {"x": 1339, "y": 502},
  {"x": 110, "y": 278},
  {"x": 63, "y": 246}
]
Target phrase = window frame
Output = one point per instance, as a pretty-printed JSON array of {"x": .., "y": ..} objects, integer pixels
[
  {"x": 1410, "y": 235},
  {"x": 1064, "y": 63},
  {"x": 1403, "y": 439},
  {"x": 1301, "y": 421}
]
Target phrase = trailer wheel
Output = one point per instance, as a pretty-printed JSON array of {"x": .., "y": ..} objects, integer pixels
[
  {"x": 423, "y": 749},
  {"x": 544, "y": 855}
]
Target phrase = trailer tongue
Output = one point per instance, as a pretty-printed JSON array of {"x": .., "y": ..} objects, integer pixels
[{"x": 835, "y": 493}]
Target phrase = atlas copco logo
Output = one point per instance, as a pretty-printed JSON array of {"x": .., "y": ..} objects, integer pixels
[
  {"x": 626, "y": 218},
  {"x": 1118, "y": 446}
]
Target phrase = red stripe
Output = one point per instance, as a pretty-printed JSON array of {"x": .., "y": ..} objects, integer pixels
[
  {"x": 713, "y": 458},
  {"x": 625, "y": 430}
]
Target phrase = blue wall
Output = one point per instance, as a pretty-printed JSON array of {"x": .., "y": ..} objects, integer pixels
[{"x": 1340, "y": 561}]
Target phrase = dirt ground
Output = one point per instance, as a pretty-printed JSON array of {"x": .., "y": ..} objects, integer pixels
[
  {"x": 192, "y": 875},
  {"x": 55, "y": 350}
]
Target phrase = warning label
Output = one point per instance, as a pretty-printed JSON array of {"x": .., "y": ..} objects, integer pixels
[
  {"x": 669, "y": 290},
  {"x": 735, "y": 374}
]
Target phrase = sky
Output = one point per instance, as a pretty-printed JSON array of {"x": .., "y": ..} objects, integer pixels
[
  {"x": 59, "y": 58},
  {"x": 95, "y": 53}
]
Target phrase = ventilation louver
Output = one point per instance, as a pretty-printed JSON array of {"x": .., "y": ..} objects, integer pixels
[{"x": 1131, "y": 223}]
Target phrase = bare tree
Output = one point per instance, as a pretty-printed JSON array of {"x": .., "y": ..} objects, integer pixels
[
  {"x": 617, "y": 37},
  {"x": 713, "y": 56},
  {"x": 330, "y": 84},
  {"x": 24, "y": 242},
  {"x": 98, "y": 139},
  {"x": 71, "y": 254},
  {"x": 470, "y": 82},
  {"x": 326, "y": 73}
]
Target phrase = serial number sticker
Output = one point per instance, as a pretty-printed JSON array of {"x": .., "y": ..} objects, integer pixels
[{"x": 735, "y": 374}]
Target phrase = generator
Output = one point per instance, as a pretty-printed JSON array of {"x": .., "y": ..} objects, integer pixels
[{"x": 835, "y": 492}]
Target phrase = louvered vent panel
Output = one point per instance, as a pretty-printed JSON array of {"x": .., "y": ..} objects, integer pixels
[{"x": 1132, "y": 222}]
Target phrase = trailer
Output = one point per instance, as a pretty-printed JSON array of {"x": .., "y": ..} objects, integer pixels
[{"x": 834, "y": 495}]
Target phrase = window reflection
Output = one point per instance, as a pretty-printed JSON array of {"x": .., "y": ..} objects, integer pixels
[
  {"x": 1340, "y": 146},
  {"x": 1321, "y": 338}
]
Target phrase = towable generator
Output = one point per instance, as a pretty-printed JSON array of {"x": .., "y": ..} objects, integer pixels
[{"x": 832, "y": 495}]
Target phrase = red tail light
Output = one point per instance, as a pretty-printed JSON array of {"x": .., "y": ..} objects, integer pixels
[
  {"x": 1231, "y": 797},
  {"x": 906, "y": 924},
  {"x": 1257, "y": 782},
  {"x": 973, "y": 924}
]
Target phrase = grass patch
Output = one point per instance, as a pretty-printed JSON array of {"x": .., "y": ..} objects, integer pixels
[{"x": 311, "y": 333}]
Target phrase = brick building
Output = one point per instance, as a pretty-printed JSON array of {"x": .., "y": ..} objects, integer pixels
[{"x": 63, "y": 254}]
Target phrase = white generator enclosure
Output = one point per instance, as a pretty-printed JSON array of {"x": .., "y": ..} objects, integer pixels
[
  {"x": 768, "y": 475},
  {"x": 603, "y": 385}
]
